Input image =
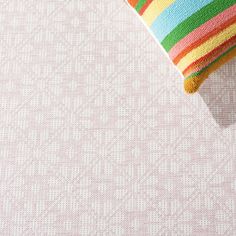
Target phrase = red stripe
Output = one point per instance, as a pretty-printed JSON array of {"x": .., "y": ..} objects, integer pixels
[
  {"x": 208, "y": 58},
  {"x": 202, "y": 30},
  {"x": 204, "y": 39},
  {"x": 145, "y": 6}
]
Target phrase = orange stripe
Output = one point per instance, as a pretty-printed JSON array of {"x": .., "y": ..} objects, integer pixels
[
  {"x": 191, "y": 85},
  {"x": 133, "y": 3},
  {"x": 205, "y": 38},
  {"x": 144, "y": 8},
  {"x": 208, "y": 58}
]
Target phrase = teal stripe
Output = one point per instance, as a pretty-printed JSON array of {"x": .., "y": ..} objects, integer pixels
[
  {"x": 179, "y": 11},
  {"x": 195, "y": 21}
]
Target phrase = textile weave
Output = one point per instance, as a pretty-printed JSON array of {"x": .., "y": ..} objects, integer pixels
[{"x": 199, "y": 36}]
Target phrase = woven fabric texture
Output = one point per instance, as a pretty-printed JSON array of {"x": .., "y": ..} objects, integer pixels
[
  {"x": 199, "y": 36},
  {"x": 97, "y": 137}
]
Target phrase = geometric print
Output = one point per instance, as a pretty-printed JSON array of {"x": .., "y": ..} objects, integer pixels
[{"x": 93, "y": 142}]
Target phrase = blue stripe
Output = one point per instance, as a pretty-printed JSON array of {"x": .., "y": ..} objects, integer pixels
[{"x": 179, "y": 11}]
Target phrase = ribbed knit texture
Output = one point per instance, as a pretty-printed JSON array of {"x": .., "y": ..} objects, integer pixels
[{"x": 199, "y": 36}]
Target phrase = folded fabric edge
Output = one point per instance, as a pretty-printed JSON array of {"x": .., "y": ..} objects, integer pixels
[
  {"x": 153, "y": 36},
  {"x": 192, "y": 84}
]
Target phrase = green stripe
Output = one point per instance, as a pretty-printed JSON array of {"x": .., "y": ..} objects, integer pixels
[
  {"x": 194, "y": 21},
  {"x": 212, "y": 63},
  {"x": 140, "y": 5}
]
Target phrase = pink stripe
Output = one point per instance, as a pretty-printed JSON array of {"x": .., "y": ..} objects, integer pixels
[
  {"x": 212, "y": 58},
  {"x": 202, "y": 31}
]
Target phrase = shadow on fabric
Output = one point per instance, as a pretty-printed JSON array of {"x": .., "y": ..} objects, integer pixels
[{"x": 219, "y": 94}]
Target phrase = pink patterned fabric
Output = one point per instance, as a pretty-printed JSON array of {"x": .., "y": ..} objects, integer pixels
[{"x": 91, "y": 143}]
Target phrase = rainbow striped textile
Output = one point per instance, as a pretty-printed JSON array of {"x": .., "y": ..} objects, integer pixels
[{"x": 198, "y": 35}]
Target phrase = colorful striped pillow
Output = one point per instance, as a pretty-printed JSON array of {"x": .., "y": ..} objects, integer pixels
[{"x": 198, "y": 35}]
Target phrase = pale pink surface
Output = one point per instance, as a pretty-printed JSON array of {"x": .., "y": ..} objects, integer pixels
[{"x": 96, "y": 134}]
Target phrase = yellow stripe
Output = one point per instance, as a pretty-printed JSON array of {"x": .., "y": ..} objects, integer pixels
[
  {"x": 207, "y": 47},
  {"x": 191, "y": 85},
  {"x": 155, "y": 9}
]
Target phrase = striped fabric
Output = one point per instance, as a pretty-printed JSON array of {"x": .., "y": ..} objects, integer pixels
[{"x": 198, "y": 35}]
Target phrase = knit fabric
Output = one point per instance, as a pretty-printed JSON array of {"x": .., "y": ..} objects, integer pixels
[{"x": 199, "y": 36}]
